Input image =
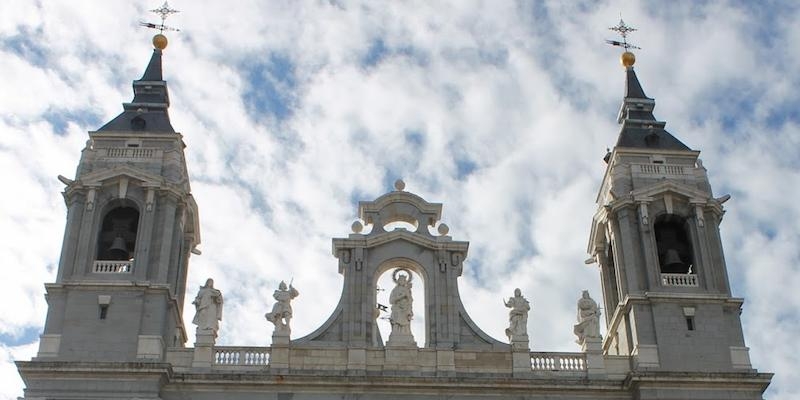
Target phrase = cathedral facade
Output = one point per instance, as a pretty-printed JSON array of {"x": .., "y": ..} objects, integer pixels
[{"x": 114, "y": 328}]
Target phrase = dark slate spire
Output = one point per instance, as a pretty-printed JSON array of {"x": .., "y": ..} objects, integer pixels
[
  {"x": 148, "y": 110},
  {"x": 633, "y": 88},
  {"x": 153, "y": 71},
  {"x": 640, "y": 128}
]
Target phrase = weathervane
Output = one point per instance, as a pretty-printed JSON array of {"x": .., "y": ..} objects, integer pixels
[
  {"x": 627, "y": 59},
  {"x": 164, "y": 11},
  {"x": 159, "y": 40}
]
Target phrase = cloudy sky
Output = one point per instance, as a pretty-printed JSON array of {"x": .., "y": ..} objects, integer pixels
[{"x": 294, "y": 110}]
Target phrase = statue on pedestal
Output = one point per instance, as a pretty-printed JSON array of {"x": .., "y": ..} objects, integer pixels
[
  {"x": 281, "y": 313},
  {"x": 208, "y": 306},
  {"x": 588, "y": 325},
  {"x": 402, "y": 303},
  {"x": 517, "y": 330}
]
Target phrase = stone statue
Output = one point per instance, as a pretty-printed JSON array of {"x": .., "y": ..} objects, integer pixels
[
  {"x": 588, "y": 325},
  {"x": 402, "y": 302},
  {"x": 281, "y": 313},
  {"x": 208, "y": 305},
  {"x": 517, "y": 317}
]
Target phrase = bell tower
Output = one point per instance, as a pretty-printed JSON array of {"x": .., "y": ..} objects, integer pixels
[
  {"x": 131, "y": 225},
  {"x": 656, "y": 238}
]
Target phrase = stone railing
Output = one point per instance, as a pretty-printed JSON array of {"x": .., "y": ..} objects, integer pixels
[
  {"x": 659, "y": 169},
  {"x": 131, "y": 152},
  {"x": 688, "y": 280},
  {"x": 113, "y": 267},
  {"x": 558, "y": 362},
  {"x": 241, "y": 355}
]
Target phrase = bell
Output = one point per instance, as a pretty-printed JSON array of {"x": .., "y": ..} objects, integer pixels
[
  {"x": 672, "y": 261},
  {"x": 118, "y": 250}
]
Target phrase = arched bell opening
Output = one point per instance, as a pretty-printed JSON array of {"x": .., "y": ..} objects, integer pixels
[
  {"x": 675, "y": 252},
  {"x": 394, "y": 307},
  {"x": 610, "y": 285},
  {"x": 117, "y": 238}
]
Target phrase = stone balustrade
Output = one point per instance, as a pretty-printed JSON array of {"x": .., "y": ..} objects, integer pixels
[
  {"x": 683, "y": 280},
  {"x": 659, "y": 169},
  {"x": 113, "y": 267},
  {"x": 558, "y": 362},
  {"x": 241, "y": 356},
  {"x": 131, "y": 152}
]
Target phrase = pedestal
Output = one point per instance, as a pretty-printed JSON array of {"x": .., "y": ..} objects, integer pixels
[
  {"x": 595, "y": 362},
  {"x": 520, "y": 343},
  {"x": 400, "y": 340},
  {"x": 521, "y": 355},
  {"x": 280, "y": 340},
  {"x": 279, "y": 358},
  {"x": 521, "y": 363},
  {"x": 203, "y": 350},
  {"x": 279, "y": 353}
]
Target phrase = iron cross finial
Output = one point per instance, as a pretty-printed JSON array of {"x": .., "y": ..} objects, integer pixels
[
  {"x": 164, "y": 11},
  {"x": 623, "y": 31}
]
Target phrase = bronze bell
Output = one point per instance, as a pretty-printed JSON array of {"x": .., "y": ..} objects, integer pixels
[
  {"x": 672, "y": 260},
  {"x": 118, "y": 250}
]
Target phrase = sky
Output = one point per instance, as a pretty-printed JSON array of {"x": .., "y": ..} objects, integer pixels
[{"x": 293, "y": 111}]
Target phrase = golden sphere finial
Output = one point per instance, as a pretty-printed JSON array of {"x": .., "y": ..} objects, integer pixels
[
  {"x": 160, "y": 41},
  {"x": 627, "y": 59}
]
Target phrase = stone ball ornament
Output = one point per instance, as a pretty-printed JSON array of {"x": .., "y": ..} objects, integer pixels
[
  {"x": 443, "y": 229},
  {"x": 357, "y": 227},
  {"x": 399, "y": 185}
]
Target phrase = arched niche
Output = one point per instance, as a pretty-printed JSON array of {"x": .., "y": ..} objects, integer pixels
[{"x": 383, "y": 281}]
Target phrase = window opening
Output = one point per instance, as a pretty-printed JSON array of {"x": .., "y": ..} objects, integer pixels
[
  {"x": 674, "y": 248},
  {"x": 117, "y": 239}
]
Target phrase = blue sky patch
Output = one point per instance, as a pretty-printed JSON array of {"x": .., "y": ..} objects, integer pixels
[
  {"x": 273, "y": 87},
  {"x": 60, "y": 119},
  {"x": 465, "y": 167},
  {"x": 28, "y": 334},
  {"x": 28, "y": 45},
  {"x": 377, "y": 51}
]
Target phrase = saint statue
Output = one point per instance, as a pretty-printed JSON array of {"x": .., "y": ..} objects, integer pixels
[
  {"x": 402, "y": 302},
  {"x": 517, "y": 317},
  {"x": 588, "y": 325},
  {"x": 208, "y": 306},
  {"x": 281, "y": 313}
]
